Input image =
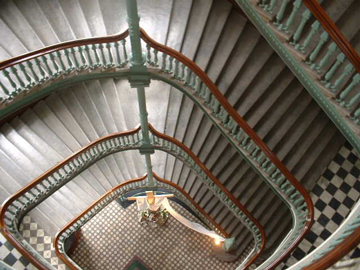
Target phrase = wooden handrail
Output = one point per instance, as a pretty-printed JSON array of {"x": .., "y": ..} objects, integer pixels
[
  {"x": 61, "y": 46},
  {"x": 71, "y": 266},
  {"x": 244, "y": 125},
  {"x": 334, "y": 32},
  {"x": 220, "y": 185},
  {"x": 341, "y": 250},
  {"x": 8, "y": 235}
]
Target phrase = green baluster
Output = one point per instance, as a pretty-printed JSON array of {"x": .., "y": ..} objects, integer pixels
[
  {"x": 6, "y": 91},
  {"x": 42, "y": 72},
  {"x": 270, "y": 7},
  {"x": 33, "y": 73},
  {"x": 188, "y": 76},
  {"x": 281, "y": 12},
  {"x": 156, "y": 59},
  {"x": 354, "y": 100},
  {"x": 52, "y": 58},
  {"x": 198, "y": 86},
  {"x": 314, "y": 29},
  {"x": 331, "y": 49},
  {"x": 27, "y": 77},
  {"x": 163, "y": 63},
  {"x": 323, "y": 38},
  {"x": 171, "y": 59},
  {"x": 148, "y": 54},
  {"x": 87, "y": 52},
  {"x": 102, "y": 53},
  {"x": 123, "y": 43},
  {"x": 76, "y": 62},
  {"x": 291, "y": 18},
  {"x": 355, "y": 81},
  {"x": 263, "y": 3},
  {"x": 339, "y": 60},
  {"x": 118, "y": 57},
  {"x": 193, "y": 80},
  {"x": 182, "y": 76},
  {"x": 14, "y": 71},
  {"x": 82, "y": 57},
  {"x": 216, "y": 107},
  {"x": 12, "y": 83},
  {"x": 356, "y": 117},
  {"x": 348, "y": 69},
  {"x": 97, "y": 59},
  {"x": 305, "y": 17},
  {"x": 208, "y": 96},
  {"x": 58, "y": 54},
  {"x": 69, "y": 62},
  {"x": 176, "y": 71}
]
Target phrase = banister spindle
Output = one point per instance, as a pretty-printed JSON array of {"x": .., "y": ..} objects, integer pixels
[
  {"x": 328, "y": 76},
  {"x": 314, "y": 29},
  {"x": 111, "y": 59},
  {"x": 82, "y": 57},
  {"x": 41, "y": 70},
  {"x": 27, "y": 77},
  {"x": 49, "y": 71},
  {"x": 331, "y": 49},
  {"x": 163, "y": 62},
  {"x": 76, "y": 62},
  {"x": 20, "y": 81},
  {"x": 297, "y": 35},
  {"x": 348, "y": 69},
  {"x": 323, "y": 38},
  {"x": 290, "y": 20},
  {"x": 270, "y": 6},
  {"x": 176, "y": 70},
  {"x": 7, "y": 76},
  {"x": 355, "y": 81},
  {"x": 280, "y": 15},
  {"x": 117, "y": 52},
  {"x": 6, "y": 91},
  {"x": 69, "y": 62},
  {"x": 123, "y": 43},
  {"x": 102, "y": 53},
  {"x": 58, "y": 54},
  {"x": 97, "y": 59},
  {"x": 33, "y": 73},
  {"x": 87, "y": 52}
]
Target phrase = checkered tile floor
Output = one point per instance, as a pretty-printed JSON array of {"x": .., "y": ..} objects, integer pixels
[
  {"x": 334, "y": 195},
  {"x": 39, "y": 240},
  {"x": 114, "y": 237}
]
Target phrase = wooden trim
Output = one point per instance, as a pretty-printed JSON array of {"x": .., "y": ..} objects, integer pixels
[
  {"x": 61, "y": 46},
  {"x": 334, "y": 32},
  {"x": 341, "y": 250},
  {"x": 221, "y": 186}
]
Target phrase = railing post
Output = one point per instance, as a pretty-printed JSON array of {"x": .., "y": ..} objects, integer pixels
[{"x": 139, "y": 79}]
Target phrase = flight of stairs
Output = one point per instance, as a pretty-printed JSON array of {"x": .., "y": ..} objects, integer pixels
[{"x": 224, "y": 44}]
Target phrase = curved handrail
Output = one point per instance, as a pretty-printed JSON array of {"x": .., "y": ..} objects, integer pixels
[
  {"x": 113, "y": 194},
  {"x": 15, "y": 207},
  {"x": 334, "y": 32},
  {"x": 61, "y": 46},
  {"x": 235, "y": 117},
  {"x": 11, "y": 201}
]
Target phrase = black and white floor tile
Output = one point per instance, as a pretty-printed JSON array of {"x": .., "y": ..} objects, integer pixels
[
  {"x": 114, "y": 237},
  {"x": 39, "y": 240},
  {"x": 334, "y": 196}
]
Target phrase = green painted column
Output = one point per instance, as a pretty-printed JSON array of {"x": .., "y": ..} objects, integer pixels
[{"x": 139, "y": 79}]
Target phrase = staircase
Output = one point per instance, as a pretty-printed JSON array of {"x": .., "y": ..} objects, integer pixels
[{"x": 227, "y": 47}]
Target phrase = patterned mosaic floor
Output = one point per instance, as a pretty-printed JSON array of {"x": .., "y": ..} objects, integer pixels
[{"x": 114, "y": 237}]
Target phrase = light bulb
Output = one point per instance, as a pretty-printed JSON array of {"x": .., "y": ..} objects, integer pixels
[{"x": 217, "y": 241}]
